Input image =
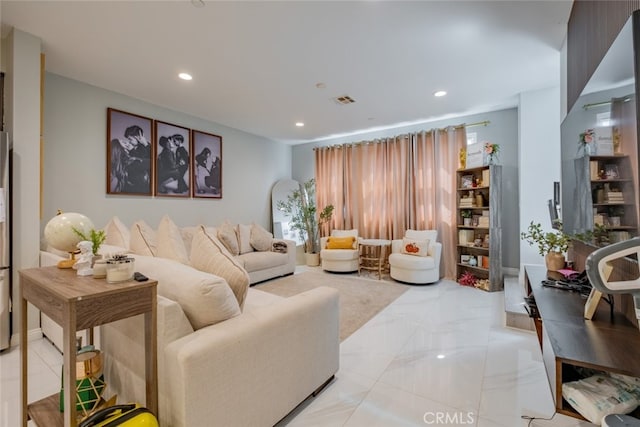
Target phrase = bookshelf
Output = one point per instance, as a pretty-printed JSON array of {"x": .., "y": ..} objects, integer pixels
[
  {"x": 479, "y": 232},
  {"x": 606, "y": 196}
]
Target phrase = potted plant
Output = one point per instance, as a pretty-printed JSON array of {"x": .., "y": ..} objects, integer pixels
[
  {"x": 96, "y": 237},
  {"x": 466, "y": 216},
  {"x": 552, "y": 245},
  {"x": 300, "y": 206}
]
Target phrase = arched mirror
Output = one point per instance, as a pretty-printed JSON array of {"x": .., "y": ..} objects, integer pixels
[{"x": 281, "y": 228}]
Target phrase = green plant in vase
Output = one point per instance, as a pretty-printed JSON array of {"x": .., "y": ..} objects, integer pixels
[
  {"x": 96, "y": 237},
  {"x": 466, "y": 216},
  {"x": 552, "y": 245},
  {"x": 300, "y": 206}
]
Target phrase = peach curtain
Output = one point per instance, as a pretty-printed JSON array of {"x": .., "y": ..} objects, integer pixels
[
  {"x": 391, "y": 185},
  {"x": 378, "y": 187},
  {"x": 329, "y": 163}
]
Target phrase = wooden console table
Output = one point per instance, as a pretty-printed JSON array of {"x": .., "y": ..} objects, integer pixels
[
  {"x": 606, "y": 343},
  {"x": 77, "y": 303}
]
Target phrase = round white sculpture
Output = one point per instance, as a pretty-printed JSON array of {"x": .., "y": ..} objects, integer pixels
[{"x": 59, "y": 230}]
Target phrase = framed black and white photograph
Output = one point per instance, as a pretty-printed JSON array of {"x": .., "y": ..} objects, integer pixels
[
  {"x": 207, "y": 165},
  {"x": 172, "y": 160},
  {"x": 129, "y": 153}
]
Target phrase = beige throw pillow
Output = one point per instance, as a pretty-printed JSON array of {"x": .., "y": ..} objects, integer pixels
[
  {"x": 117, "y": 233},
  {"x": 143, "y": 239},
  {"x": 205, "y": 299},
  {"x": 261, "y": 239},
  {"x": 244, "y": 238},
  {"x": 169, "y": 241},
  {"x": 209, "y": 254},
  {"x": 415, "y": 247},
  {"x": 187, "y": 234},
  {"x": 229, "y": 238}
]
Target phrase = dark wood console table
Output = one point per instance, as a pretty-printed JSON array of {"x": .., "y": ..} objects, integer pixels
[
  {"x": 606, "y": 343},
  {"x": 77, "y": 303}
]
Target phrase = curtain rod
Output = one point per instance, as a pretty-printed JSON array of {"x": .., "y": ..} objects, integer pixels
[
  {"x": 625, "y": 98},
  {"x": 482, "y": 123}
]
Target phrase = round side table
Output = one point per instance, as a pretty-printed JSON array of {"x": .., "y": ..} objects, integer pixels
[{"x": 374, "y": 255}]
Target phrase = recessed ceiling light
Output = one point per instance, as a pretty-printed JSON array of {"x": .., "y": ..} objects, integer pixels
[
  {"x": 197, "y": 3},
  {"x": 440, "y": 93},
  {"x": 185, "y": 76},
  {"x": 321, "y": 85},
  {"x": 299, "y": 124}
]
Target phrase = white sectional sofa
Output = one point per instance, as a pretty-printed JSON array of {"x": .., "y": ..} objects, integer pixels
[{"x": 226, "y": 356}]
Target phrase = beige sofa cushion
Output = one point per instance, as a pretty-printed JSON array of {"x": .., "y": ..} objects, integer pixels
[
  {"x": 169, "y": 241},
  {"x": 117, "y": 232},
  {"x": 143, "y": 239},
  {"x": 260, "y": 239},
  {"x": 229, "y": 238},
  {"x": 244, "y": 238},
  {"x": 187, "y": 234},
  {"x": 209, "y": 254},
  {"x": 205, "y": 299},
  {"x": 256, "y": 260}
]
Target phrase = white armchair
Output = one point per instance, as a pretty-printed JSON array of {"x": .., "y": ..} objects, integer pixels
[
  {"x": 416, "y": 258},
  {"x": 343, "y": 256}
]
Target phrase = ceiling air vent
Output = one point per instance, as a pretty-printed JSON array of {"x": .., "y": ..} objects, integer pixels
[{"x": 344, "y": 100}]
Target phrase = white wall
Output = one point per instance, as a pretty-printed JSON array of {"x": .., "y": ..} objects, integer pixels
[
  {"x": 75, "y": 163},
  {"x": 539, "y": 160},
  {"x": 22, "y": 118}
]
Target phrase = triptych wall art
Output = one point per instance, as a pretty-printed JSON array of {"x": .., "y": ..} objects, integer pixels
[{"x": 150, "y": 157}]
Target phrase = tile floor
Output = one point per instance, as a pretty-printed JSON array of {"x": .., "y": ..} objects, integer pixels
[{"x": 438, "y": 355}]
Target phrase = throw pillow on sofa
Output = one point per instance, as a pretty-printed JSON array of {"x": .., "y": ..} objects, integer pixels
[
  {"x": 229, "y": 238},
  {"x": 260, "y": 239},
  {"x": 143, "y": 239},
  {"x": 205, "y": 299},
  {"x": 244, "y": 238},
  {"x": 209, "y": 254},
  {"x": 169, "y": 241},
  {"x": 117, "y": 232}
]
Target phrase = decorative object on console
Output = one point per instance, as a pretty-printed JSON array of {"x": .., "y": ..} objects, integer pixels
[
  {"x": 551, "y": 245},
  {"x": 95, "y": 237},
  {"x": 120, "y": 268},
  {"x": 129, "y": 153},
  {"x": 59, "y": 233},
  {"x": 207, "y": 165},
  {"x": 85, "y": 259},
  {"x": 301, "y": 207}
]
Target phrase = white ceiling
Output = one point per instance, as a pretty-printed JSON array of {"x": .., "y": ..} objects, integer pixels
[{"x": 256, "y": 63}]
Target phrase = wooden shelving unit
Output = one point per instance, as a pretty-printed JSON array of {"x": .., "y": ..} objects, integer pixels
[
  {"x": 606, "y": 195},
  {"x": 479, "y": 237}
]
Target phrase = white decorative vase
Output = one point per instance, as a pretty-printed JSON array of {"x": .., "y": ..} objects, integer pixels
[{"x": 313, "y": 260}]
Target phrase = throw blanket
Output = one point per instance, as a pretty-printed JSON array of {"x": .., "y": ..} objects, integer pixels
[{"x": 280, "y": 247}]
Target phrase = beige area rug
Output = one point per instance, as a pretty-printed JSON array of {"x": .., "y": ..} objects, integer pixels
[{"x": 361, "y": 298}]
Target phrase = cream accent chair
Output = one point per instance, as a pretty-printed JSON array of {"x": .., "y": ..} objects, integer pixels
[
  {"x": 418, "y": 270},
  {"x": 340, "y": 260}
]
